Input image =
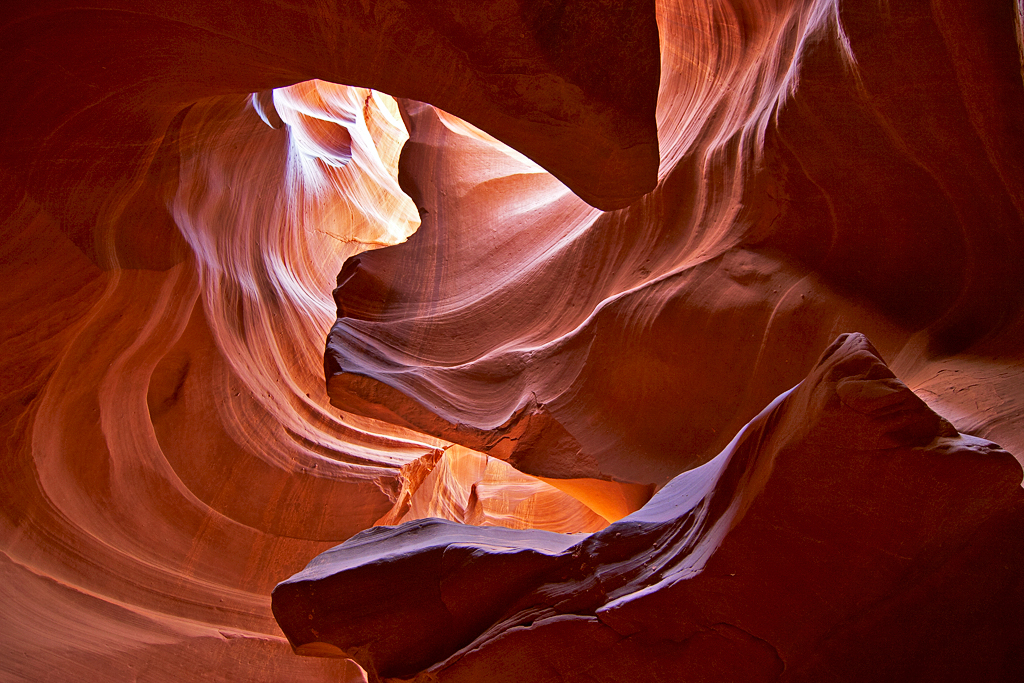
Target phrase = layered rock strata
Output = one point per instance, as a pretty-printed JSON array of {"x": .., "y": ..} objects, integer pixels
[
  {"x": 174, "y": 212},
  {"x": 806, "y": 188},
  {"x": 846, "y": 533},
  {"x": 177, "y": 197}
]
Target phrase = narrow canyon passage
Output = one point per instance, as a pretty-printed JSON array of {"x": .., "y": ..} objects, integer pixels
[{"x": 579, "y": 253}]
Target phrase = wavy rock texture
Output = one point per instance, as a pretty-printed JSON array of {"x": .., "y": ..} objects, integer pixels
[
  {"x": 178, "y": 194},
  {"x": 846, "y": 533},
  {"x": 797, "y": 200}
]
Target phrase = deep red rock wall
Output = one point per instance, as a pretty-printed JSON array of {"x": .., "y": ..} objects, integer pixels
[
  {"x": 813, "y": 187},
  {"x": 846, "y": 533},
  {"x": 170, "y": 243}
]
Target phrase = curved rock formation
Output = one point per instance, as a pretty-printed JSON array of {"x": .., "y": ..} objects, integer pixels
[
  {"x": 178, "y": 194},
  {"x": 846, "y": 533},
  {"x": 757, "y": 236}
]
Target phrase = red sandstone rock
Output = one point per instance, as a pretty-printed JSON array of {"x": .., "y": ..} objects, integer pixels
[
  {"x": 767, "y": 251},
  {"x": 847, "y": 533},
  {"x": 92, "y": 137},
  {"x": 169, "y": 449}
]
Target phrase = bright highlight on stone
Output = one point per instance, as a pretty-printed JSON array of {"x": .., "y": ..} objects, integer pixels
[{"x": 546, "y": 427}]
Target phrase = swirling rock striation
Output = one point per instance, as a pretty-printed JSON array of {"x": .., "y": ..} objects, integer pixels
[
  {"x": 179, "y": 192},
  {"x": 808, "y": 186},
  {"x": 170, "y": 242},
  {"x": 846, "y": 533},
  {"x": 571, "y": 84}
]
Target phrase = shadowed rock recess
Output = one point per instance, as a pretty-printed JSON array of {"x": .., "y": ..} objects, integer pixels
[
  {"x": 844, "y": 516},
  {"x": 594, "y": 398}
]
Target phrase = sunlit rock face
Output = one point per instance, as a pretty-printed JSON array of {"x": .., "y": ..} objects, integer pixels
[
  {"x": 180, "y": 197},
  {"x": 806, "y": 190}
]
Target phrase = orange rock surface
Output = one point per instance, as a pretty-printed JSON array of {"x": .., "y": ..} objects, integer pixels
[
  {"x": 847, "y": 533},
  {"x": 617, "y": 232}
]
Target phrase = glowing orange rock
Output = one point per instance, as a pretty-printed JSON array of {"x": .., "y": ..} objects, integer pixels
[{"x": 177, "y": 198}]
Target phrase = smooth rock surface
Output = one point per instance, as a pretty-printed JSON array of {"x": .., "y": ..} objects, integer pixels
[
  {"x": 847, "y": 533},
  {"x": 809, "y": 186},
  {"x": 178, "y": 195}
]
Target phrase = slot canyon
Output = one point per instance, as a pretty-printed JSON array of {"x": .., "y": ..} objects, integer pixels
[{"x": 567, "y": 341}]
